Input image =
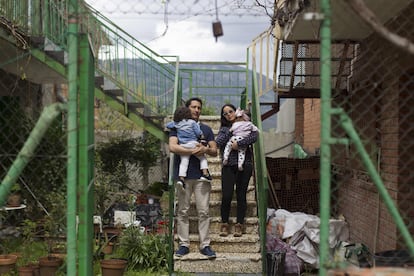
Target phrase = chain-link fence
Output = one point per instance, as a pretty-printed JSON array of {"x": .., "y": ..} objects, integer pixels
[
  {"x": 42, "y": 182},
  {"x": 370, "y": 124},
  {"x": 377, "y": 93},
  {"x": 372, "y": 81}
]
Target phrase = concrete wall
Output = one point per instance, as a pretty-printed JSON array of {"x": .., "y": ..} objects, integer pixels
[{"x": 279, "y": 142}]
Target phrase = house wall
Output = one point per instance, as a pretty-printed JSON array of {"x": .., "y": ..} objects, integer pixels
[
  {"x": 299, "y": 121},
  {"x": 380, "y": 103},
  {"x": 311, "y": 125}
]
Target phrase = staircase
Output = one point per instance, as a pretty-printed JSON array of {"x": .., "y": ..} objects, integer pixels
[{"x": 239, "y": 255}]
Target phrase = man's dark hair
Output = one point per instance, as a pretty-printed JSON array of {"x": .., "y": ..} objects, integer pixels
[
  {"x": 188, "y": 102},
  {"x": 182, "y": 113}
]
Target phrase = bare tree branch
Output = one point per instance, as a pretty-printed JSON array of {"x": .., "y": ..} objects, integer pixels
[{"x": 369, "y": 17}]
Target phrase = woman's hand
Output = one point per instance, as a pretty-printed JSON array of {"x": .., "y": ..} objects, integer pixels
[{"x": 234, "y": 145}]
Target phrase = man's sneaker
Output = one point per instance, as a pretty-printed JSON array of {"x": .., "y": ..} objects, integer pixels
[
  {"x": 207, "y": 251},
  {"x": 182, "y": 250},
  {"x": 181, "y": 183},
  {"x": 206, "y": 177}
]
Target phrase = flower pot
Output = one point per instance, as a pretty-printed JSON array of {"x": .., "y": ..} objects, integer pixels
[
  {"x": 113, "y": 267},
  {"x": 109, "y": 248},
  {"x": 26, "y": 270},
  {"x": 49, "y": 265},
  {"x": 7, "y": 263},
  {"x": 14, "y": 200},
  {"x": 36, "y": 269}
]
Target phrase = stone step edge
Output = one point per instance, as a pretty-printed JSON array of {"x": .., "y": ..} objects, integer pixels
[
  {"x": 246, "y": 238},
  {"x": 232, "y": 220},
  {"x": 241, "y": 257},
  {"x": 218, "y": 202},
  {"x": 217, "y": 188}
]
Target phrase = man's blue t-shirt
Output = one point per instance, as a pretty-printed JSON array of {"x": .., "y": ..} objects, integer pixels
[{"x": 193, "y": 171}]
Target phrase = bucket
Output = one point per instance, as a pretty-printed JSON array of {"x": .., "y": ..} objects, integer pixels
[{"x": 394, "y": 258}]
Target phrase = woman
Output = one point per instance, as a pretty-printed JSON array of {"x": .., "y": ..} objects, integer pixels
[{"x": 230, "y": 173}]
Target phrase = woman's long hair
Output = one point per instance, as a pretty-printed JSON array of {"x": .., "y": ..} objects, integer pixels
[{"x": 224, "y": 121}]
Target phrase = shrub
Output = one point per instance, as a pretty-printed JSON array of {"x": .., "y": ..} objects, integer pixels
[{"x": 143, "y": 251}]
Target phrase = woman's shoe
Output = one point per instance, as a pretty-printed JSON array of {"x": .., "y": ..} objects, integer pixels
[
  {"x": 224, "y": 230},
  {"x": 238, "y": 230}
]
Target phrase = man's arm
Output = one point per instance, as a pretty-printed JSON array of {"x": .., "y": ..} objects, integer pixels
[
  {"x": 176, "y": 148},
  {"x": 212, "y": 148}
]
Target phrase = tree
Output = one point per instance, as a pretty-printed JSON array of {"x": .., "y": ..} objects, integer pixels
[{"x": 120, "y": 154}]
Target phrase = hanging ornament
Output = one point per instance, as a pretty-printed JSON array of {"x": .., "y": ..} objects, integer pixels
[{"x": 217, "y": 28}]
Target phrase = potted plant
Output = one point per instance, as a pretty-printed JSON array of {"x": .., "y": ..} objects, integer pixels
[
  {"x": 113, "y": 267},
  {"x": 7, "y": 260},
  {"x": 104, "y": 245},
  {"x": 33, "y": 249},
  {"x": 7, "y": 263},
  {"x": 142, "y": 251},
  {"x": 15, "y": 197},
  {"x": 53, "y": 230}
]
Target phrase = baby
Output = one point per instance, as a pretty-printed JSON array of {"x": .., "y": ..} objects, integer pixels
[
  {"x": 240, "y": 129},
  {"x": 189, "y": 135}
]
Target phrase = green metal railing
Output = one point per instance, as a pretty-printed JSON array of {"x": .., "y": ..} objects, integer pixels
[
  {"x": 37, "y": 18},
  {"x": 143, "y": 75},
  {"x": 214, "y": 82}
]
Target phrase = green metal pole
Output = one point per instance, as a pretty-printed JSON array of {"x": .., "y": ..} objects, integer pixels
[
  {"x": 260, "y": 170},
  {"x": 325, "y": 162},
  {"x": 246, "y": 91},
  {"x": 71, "y": 240},
  {"x": 46, "y": 18},
  {"x": 86, "y": 157},
  {"x": 46, "y": 118},
  {"x": 176, "y": 102}
]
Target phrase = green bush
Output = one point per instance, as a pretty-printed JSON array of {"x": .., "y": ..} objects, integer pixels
[{"x": 144, "y": 252}]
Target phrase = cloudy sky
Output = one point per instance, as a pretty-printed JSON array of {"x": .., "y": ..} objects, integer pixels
[{"x": 185, "y": 27}]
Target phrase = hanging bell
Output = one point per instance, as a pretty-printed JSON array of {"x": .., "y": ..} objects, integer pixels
[{"x": 217, "y": 29}]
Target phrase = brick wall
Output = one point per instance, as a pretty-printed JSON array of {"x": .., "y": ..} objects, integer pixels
[
  {"x": 312, "y": 125},
  {"x": 299, "y": 121}
]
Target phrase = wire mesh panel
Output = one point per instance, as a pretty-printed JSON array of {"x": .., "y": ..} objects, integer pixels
[
  {"x": 379, "y": 101},
  {"x": 371, "y": 123},
  {"x": 43, "y": 180},
  {"x": 369, "y": 117}
]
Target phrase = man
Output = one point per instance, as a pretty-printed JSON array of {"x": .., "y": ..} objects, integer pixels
[{"x": 194, "y": 184}]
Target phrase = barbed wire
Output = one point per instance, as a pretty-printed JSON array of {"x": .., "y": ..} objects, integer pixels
[{"x": 177, "y": 8}]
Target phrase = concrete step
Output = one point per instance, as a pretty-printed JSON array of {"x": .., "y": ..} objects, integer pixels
[
  {"x": 224, "y": 263},
  {"x": 247, "y": 243},
  {"x": 251, "y": 225},
  {"x": 216, "y": 205},
  {"x": 211, "y": 121},
  {"x": 235, "y": 255},
  {"x": 215, "y": 194}
]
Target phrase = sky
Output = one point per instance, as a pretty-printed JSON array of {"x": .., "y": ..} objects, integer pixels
[{"x": 181, "y": 32}]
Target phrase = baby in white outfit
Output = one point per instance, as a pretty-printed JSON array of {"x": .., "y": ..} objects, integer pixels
[{"x": 240, "y": 129}]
